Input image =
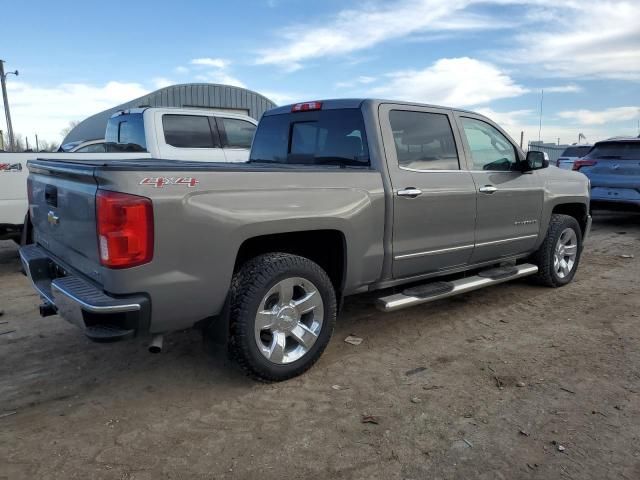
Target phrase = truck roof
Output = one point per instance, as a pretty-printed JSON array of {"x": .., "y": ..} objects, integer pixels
[
  {"x": 184, "y": 110},
  {"x": 338, "y": 103}
]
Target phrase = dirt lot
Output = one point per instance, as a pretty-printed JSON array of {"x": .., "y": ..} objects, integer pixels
[{"x": 487, "y": 385}]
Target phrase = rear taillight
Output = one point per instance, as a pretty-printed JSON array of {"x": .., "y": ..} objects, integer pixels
[
  {"x": 578, "y": 164},
  {"x": 306, "y": 107},
  {"x": 125, "y": 229}
]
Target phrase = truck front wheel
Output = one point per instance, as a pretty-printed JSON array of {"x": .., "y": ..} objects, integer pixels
[
  {"x": 559, "y": 255},
  {"x": 282, "y": 315}
]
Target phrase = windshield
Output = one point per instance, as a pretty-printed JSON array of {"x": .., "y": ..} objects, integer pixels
[
  {"x": 125, "y": 133},
  {"x": 324, "y": 137},
  {"x": 576, "y": 151},
  {"x": 616, "y": 150}
]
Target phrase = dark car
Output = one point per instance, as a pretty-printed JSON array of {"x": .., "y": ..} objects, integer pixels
[
  {"x": 571, "y": 154},
  {"x": 613, "y": 167}
]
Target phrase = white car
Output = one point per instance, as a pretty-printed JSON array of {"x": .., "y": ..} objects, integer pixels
[
  {"x": 89, "y": 146},
  {"x": 571, "y": 154}
]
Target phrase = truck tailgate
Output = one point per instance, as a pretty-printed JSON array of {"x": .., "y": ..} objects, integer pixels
[{"x": 63, "y": 213}]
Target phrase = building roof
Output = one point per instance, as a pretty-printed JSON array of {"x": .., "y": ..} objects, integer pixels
[{"x": 198, "y": 95}]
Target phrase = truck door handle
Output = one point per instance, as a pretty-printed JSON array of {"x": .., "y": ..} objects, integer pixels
[
  {"x": 410, "y": 192},
  {"x": 488, "y": 189}
]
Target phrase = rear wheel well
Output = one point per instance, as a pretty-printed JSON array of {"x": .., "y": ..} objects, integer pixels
[
  {"x": 324, "y": 247},
  {"x": 575, "y": 210}
]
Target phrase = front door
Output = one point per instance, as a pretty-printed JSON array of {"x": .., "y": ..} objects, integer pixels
[
  {"x": 434, "y": 198},
  {"x": 509, "y": 201}
]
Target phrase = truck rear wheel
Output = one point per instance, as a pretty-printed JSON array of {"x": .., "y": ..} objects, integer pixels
[
  {"x": 559, "y": 255},
  {"x": 282, "y": 315}
]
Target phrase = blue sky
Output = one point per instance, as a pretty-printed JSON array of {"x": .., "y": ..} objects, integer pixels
[{"x": 492, "y": 56}]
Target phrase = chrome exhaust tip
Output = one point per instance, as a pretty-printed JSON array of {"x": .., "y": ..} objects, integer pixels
[{"x": 156, "y": 344}]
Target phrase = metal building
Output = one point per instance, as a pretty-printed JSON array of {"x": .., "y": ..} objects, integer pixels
[{"x": 196, "y": 95}]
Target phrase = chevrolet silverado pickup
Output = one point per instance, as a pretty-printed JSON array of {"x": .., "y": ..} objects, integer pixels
[{"x": 339, "y": 197}]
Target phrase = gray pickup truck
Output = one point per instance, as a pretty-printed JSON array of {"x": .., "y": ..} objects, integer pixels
[{"x": 339, "y": 197}]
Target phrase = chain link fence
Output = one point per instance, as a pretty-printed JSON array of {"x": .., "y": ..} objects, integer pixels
[{"x": 553, "y": 151}]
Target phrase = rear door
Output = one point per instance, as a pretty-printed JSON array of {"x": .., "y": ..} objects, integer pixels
[
  {"x": 236, "y": 136},
  {"x": 434, "y": 197},
  {"x": 509, "y": 202},
  {"x": 188, "y": 137}
]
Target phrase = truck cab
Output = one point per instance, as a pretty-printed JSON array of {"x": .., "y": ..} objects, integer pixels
[{"x": 181, "y": 134}]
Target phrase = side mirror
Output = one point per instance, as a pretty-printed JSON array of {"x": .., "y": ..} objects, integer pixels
[{"x": 536, "y": 160}]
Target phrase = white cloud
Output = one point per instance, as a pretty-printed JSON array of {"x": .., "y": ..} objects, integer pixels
[
  {"x": 600, "y": 117},
  {"x": 587, "y": 38},
  {"x": 216, "y": 70},
  {"x": 456, "y": 82},
  {"x": 181, "y": 70},
  {"x": 354, "y": 29},
  {"x": 571, "y": 88},
  {"x": 211, "y": 62},
  {"x": 506, "y": 119},
  {"x": 161, "y": 82},
  {"x": 47, "y": 110},
  {"x": 566, "y": 38},
  {"x": 514, "y": 122}
]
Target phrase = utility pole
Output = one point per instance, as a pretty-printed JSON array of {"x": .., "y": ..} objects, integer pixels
[
  {"x": 540, "y": 127},
  {"x": 37, "y": 145},
  {"x": 3, "y": 81}
]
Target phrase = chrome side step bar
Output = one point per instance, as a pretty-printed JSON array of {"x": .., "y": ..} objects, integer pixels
[{"x": 398, "y": 301}]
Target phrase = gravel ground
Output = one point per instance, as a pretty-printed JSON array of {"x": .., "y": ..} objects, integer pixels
[{"x": 514, "y": 381}]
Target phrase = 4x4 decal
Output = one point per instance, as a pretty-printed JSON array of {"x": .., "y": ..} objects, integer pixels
[{"x": 160, "y": 182}]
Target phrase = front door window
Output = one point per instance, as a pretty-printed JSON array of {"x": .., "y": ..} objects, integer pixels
[{"x": 490, "y": 149}]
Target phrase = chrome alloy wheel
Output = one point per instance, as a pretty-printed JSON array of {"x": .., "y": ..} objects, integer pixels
[
  {"x": 289, "y": 320},
  {"x": 565, "y": 253}
]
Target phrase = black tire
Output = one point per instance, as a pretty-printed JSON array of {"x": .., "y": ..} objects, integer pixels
[
  {"x": 544, "y": 257},
  {"x": 249, "y": 285}
]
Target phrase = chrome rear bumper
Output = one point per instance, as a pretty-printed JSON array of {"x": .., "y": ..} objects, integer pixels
[{"x": 73, "y": 297}]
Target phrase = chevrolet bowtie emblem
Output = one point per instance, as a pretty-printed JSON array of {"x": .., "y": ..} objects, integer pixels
[{"x": 52, "y": 218}]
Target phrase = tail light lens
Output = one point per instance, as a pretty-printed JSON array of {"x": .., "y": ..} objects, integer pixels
[
  {"x": 578, "y": 164},
  {"x": 125, "y": 229}
]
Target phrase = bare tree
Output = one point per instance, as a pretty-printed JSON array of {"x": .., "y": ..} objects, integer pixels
[
  {"x": 20, "y": 143},
  {"x": 72, "y": 124}
]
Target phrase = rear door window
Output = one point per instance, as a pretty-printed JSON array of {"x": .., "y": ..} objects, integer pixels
[
  {"x": 324, "y": 137},
  {"x": 187, "y": 131},
  {"x": 424, "y": 141},
  {"x": 238, "y": 133}
]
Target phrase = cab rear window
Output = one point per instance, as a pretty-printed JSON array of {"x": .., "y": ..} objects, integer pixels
[
  {"x": 125, "y": 133},
  {"x": 577, "y": 151},
  {"x": 324, "y": 137},
  {"x": 615, "y": 150}
]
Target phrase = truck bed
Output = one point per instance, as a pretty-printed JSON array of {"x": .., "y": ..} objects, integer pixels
[{"x": 203, "y": 215}]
